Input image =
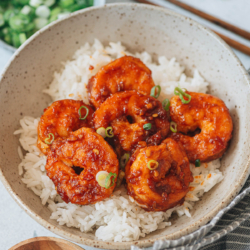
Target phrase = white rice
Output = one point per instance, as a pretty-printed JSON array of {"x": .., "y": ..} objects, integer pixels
[{"x": 117, "y": 218}]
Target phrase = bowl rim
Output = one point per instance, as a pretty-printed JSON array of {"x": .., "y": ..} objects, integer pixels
[{"x": 141, "y": 242}]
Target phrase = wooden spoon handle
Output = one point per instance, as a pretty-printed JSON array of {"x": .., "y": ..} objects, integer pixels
[{"x": 45, "y": 243}]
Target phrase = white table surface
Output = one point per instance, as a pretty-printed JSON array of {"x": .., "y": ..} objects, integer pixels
[{"x": 15, "y": 224}]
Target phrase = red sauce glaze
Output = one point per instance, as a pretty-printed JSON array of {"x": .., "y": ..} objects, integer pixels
[
  {"x": 164, "y": 187},
  {"x": 211, "y": 116},
  {"x": 127, "y": 112},
  {"x": 125, "y": 73},
  {"x": 89, "y": 151},
  {"x": 61, "y": 118}
]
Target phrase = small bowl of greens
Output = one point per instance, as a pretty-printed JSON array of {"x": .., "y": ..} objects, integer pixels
[{"x": 20, "y": 19}]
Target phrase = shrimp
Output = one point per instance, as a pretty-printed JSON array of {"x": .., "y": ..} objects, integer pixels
[
  {"x": 134, "y": 118},
  {"x": 61, "y": 118},
  {"x": 211, "y": 116},
  {"x": 125, "y": 73},
  {"x": 73, "y": 164},
  {"x": 158, "y": 177}
]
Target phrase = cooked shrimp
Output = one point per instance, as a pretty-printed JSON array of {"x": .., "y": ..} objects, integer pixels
[
  {"x": 134, "y": 117},
  {"x": 158, "y": 177},
  {"x": 211, "y": 116},
  {"x": 125, "y": 73},
  {"x": 73, "y": 165},
  {"x": 61, "y": 118}
]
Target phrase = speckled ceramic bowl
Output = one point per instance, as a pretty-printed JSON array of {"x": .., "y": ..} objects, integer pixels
[{"x": 139, "y": 27}]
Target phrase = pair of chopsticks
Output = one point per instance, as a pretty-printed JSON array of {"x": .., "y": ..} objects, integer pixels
[{"x": 239, "y": 46}]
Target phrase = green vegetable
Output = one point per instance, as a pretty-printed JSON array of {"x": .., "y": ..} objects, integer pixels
[
  {"x": 80, "y": 114},
  {"x": 155, "y": 91},
  {"x": 178, "y": 91},
  {"x": 147, "y": 126},
  {"x": 197, "y": 163},
  {"x": 166, "y": 104},
  {"x": 1, "y": 20},
  {"x": 20, "y": 19},
  {"x": 173, "y": 126}
]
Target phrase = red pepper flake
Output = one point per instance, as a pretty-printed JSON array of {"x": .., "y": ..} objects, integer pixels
[{"x": 91, "y": 67}]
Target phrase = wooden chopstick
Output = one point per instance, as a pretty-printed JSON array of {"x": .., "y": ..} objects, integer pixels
[
  {"x": 212, "y": 19},
  {"x": 239, "y": 46}
]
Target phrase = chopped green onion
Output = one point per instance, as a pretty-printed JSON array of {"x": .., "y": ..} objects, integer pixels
[
  {"x": 108, "y": 182},
  {"x": 80, "y": 115},
  {"x": 22, "y": 38},
  {"x": 124, "y": 159},
  {"x": 40, "y": 22},
  {"x": 166, "y": 104},
  {"x": 101, "y": 177},
  {"x": 178, "y": 91},
  {"x": 152, "y": 164},
  {"x": 66, "y": 3},
  {"x": 101, "y": 131},
  {"x": 173, "y": 126},
  {"x": 153, "y": 90},
  {"x": 43, "y": 11},
  {"x": 197, "y": 163},
  {"x": 50, "y": 139},
  {"x": 1, "y": 20},
  {"x": 49, "y": 3},
  {"x": 35, "y": 3},
  {"x": 26, "y": 10},
  {"x": 109, "y": 132},
  {"x": 120, "y": 178},
  {"x": 19, "y": 23},
  {"x": 147, "y": 126}
]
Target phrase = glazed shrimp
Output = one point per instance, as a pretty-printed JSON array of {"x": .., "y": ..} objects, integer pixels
[
  {"x": 125, "y": 73},
  {"x": 158, "y": 177},
  {"x": 61, "y": 118},
  {"x": 74, "y": 163},
  {"x": 211, "y": 116},
  {"x": 134, "y": 118}
]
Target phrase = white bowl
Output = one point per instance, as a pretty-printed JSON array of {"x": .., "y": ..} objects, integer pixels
[{"x": 139, "y": 27}]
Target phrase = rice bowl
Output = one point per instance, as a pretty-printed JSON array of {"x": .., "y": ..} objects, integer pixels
[{"x": 214, "y": 200}]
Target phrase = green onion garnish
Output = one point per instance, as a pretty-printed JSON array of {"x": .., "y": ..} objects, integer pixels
[
  {"x": 153, "y": 90},
  {"x": 108, "y": 182},
  {"x": 109, "y": 132},
  {"x": 124, "y": 159},
  {"x": 197, "y": 163},
  {"x": 152, "y": 164},
  {"x": 50, "y": 139},
  {"x": 173, "y": 126},
  {"x": 147, "y": 126},
  {"x": 178, "y": 91},
  {"x": 80, "y": 115},
  {"x": 166, "y": 104},
  {"x": 101, "y": 131}
]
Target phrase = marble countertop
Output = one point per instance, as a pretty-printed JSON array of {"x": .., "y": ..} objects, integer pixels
[{"x": 15, "y": 224}]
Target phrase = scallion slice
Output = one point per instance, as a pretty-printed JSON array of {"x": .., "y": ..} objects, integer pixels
[
  {"x": 173, "y": 126},
  {"x": 101, "y": 131},
  {"x": 80, "y": 115},
  {"x": 178, "y": 91},
  {"x": 50, "y": 139},
  {"x": 155, "y": 91},
  {"x": 124, "y": 159},
  {"x": 197, "y": 163},
  {"x": 152, "y": 164},
  {"x": 101, "y": 177},
  {"x": 120, "y": 178},
  {"x": 109, "y": 181},
  {"x": 166, "y": 104},
  {"x": 147, "y": 126},
  {"x": 109, "y": 132}
]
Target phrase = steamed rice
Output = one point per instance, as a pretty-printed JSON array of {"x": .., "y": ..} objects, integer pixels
[{"x": 117, "y": 218}]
